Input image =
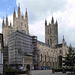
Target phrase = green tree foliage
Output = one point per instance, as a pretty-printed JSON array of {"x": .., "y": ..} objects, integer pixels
[{"x": 69, "y": 60}]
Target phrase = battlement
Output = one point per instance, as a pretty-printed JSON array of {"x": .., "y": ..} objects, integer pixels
[{"x": 51, "y": 23}]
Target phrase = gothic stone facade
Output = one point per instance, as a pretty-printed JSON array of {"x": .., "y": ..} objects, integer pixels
[
  {"x": 47, "y": 56},
  {"x": 19, "y": 23},
  {"x": 48, "y": 51},
  {"x": 51, "y": 38},
  {"x": 51, "y": 56}
]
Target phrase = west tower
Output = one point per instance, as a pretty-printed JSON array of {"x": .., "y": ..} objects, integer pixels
[{"x": 51, "y": 33}]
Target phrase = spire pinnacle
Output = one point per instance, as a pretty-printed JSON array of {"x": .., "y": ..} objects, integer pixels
[
  {"x": 6, "y": 20},
  {"x": 19, "y": 10},
  {"x": 70, "y": 45},
  {"x": 3, "y": 19},
  {"x": 10, "y": 23},
  {"x": 26, "y": 13},
  {"x": 52, "y": 17},
  {"x": 14, "y": 14},
  {"x": 56, "y": 22},
  {"x": 3, "y": 23},
  {"x": 63, "y": 39},
  {"x": 45, "y": 22},
  {"x": 52, "y": 21}
]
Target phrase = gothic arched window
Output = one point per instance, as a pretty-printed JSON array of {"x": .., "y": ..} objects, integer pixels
[
  {"x": 51, "y": 41},
  {"x": 48, "y": 41},
  {"x": 50, "y": 30},
  {"x": 60, "y": 51},
  {"x": 45, "y": 58},
  {"x": 40, "y": 58}
]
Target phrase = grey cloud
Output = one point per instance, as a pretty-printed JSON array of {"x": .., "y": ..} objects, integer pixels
[{"x": 68, "y": 33}]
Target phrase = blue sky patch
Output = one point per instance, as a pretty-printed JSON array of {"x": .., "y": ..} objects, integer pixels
[{"x": 7, "y": 7}]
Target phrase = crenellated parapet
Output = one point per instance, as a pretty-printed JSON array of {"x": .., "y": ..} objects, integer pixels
[{"x": 52, "y": 22}]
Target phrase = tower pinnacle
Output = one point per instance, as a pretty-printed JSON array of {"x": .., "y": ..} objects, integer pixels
[
  {"x": 3, "y": 23},
  {"x": 18, "y": 10},
  {"x": 10, "y": 23},
  {"x": 56, "y": 22},
  {"x": 14, "y": 14},
  {"x": 6, "y": 20},
  {"x": 26, "y": 13},
  {"x": 52, "y": 21},
  {"x": 45, "y": 22},
  {"x": 63, "y": 39},
  {"x": 26, "y": 16}
]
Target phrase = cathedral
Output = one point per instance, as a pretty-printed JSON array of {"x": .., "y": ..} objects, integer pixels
[{"x": 50, "y": 52}]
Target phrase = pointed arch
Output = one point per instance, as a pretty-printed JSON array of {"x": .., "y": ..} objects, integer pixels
[
  {"x": 50, "y": 30},
  {"x": 50, "y": 41}
]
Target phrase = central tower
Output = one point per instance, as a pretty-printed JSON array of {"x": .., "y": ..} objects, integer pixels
[
  {"x": 20, "y": 23},
  {"x": 51, "y": 33}
]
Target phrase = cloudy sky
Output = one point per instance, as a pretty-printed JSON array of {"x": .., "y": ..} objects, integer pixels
[{"x": 38, "y": 10}]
